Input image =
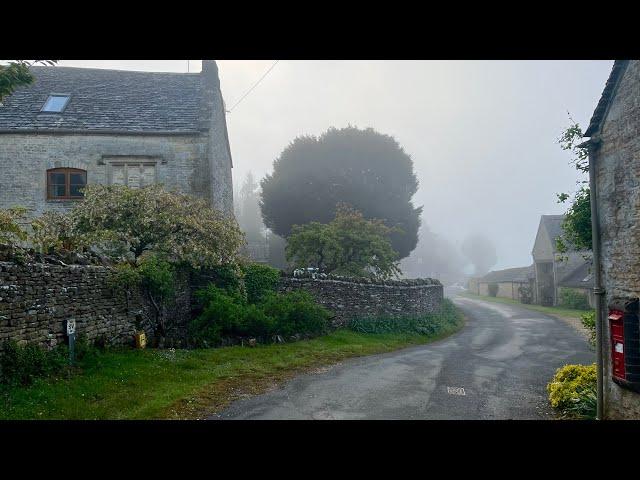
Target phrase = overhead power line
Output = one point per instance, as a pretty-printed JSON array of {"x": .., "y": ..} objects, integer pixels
[{"x": 254, "y": 86}]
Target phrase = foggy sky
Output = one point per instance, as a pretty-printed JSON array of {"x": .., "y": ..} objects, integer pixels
[{"x": 482, "y": 134}]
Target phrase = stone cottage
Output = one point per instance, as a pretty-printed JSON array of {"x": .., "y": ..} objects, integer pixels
[
  {"x": 78, "y": 126},
  {"x": 553, "y": 270},
  {"x": 513, "y": 283},
  {"x": 614, "y": 159}
]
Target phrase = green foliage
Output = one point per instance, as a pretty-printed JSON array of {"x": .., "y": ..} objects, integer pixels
[
  {"x": 447, "y": 318},
  {"x": 177, "y": 227},
  {"x": 573, "y": 391},
  {"x": 576, "y": 226},
  {"x": 227, "y": 314},
  {"x": 525, "y": 294},
  {"x": 295, "y": 313},
  {"x": 126, "y": 276},
  {"x": 577, "y": 223},
  {"x": 11, "y": 231},
  {"x": 570, "y": 298},
  {"x": 223, "y": 312},
  {"x": 158, "y": 276},
  {"x": 22, "y": 364},
  {"x": 16, "y": 74},
  {"x": 349, "y": 245},
  {"x": 259, "y": 280},
  {"x": 589, "y": 322},
  {"x": 493, "y": 289},
  {"x": 363, "y": 168},
  {"x": 54, "y": 231}
]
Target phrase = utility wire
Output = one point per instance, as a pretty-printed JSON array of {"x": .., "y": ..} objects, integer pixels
[{"x": 254, "y": 86}]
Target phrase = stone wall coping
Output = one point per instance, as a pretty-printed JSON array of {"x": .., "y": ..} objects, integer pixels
[{"x": 409, "y": 283}]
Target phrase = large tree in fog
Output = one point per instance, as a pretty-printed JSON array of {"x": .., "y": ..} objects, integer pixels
[
  {"x": 363, "y": 168},
  {"x": 248, "y": 209},
  {"x": 434, "y": 256},
  {"x": 481, "y": 252}
]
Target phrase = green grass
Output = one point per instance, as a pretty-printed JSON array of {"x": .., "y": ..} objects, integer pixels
[
  {"x": 156, "y": 384},
  {"x": 557, "y": 311}
]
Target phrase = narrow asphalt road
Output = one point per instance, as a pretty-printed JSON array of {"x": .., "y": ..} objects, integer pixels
[{"x": 496, "y": 367}]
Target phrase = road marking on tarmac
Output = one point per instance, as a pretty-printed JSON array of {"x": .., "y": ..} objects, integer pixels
[{"x": 455, "y": 391}]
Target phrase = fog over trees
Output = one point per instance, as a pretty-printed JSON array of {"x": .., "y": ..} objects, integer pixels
[
  {"x": 482, "y": 135},
  {"x": 481, "y": 252}
]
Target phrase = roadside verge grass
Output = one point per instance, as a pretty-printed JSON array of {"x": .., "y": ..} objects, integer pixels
[
  {"x": 189, "y": 384},
  {"x": 557, "y": 311}
]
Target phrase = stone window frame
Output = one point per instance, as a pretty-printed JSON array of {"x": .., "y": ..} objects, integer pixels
[
  {"x": 67, "y": 177},
  {"x": 118, "y": 160}
]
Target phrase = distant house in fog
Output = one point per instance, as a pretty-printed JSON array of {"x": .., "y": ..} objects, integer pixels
[
  {"x": 508, "y": 283},
  {"x": 554, "y": 270}
]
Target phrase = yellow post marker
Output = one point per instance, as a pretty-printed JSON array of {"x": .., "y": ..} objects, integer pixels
[{"x": 141, "y": 340}]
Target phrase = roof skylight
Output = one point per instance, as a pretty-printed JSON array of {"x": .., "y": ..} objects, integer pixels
[{"x": 55, "y": 103}]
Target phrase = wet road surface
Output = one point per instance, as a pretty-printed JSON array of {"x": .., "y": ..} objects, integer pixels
[{"x": 496, "y": 367}]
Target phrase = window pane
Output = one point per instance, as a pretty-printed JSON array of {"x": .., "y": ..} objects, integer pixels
[
  {"x": 77, "y": 179},
  {"x": 56, "y": 191},
  {"x": 57, "y": 178},
  {"x": 55, "y": 103},
  {"x": 75, "y": 190}
]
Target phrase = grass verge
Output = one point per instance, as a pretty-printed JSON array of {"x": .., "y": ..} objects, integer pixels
[
  {"x": 188, "y": 384},
  {"x": 557, "y": 311}
]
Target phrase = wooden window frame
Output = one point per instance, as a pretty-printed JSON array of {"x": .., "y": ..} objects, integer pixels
[{"x": 67, "y": 183}]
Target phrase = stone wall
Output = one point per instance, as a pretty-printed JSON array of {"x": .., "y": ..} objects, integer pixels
[
  {"x": 36, "y": 299},
  {"x": 617, "y": 164},
  {"x": 352, "y": 298},
  {"x": 25, "y": 159}
]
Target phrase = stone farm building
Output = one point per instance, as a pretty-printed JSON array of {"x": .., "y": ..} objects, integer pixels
[
  {"x": 554, "y": 270},
  {"x": 508, "y": 283},
  {"x": 551, "y": 272},
  {"x": 614, "y": 151},
  {"x": 77, "y": 126}
]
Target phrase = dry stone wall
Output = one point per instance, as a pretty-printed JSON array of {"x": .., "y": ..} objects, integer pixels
[
  {"x": 351, "y": 298},
  {"x": 37, "y": 298}
]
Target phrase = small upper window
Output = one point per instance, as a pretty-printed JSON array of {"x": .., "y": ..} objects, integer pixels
[{"x": 55, "y": 103}]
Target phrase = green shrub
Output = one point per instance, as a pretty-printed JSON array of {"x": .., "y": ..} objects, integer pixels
[
  {"x": 158, "y": 276},
  {"x": 493, "y": 289},
  {"x": 223, "y": 311},
  {"x": 229, "y": 314},
  {"x": 21, "y": 364},
  {"x": 525, "y": 294},
  {"x": 446, "y": 319},
  {"x": 573, "y": 391},
  {"x": 589, "y": 322},
  {"x": 570, "y": 298},
  {"x": 296, "y": 313},
  {"x": 259, "y": 280}
]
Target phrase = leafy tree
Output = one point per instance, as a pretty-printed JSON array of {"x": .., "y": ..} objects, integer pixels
[
  {"x": 177, "y": 227},
  {"x": 11, "y": 230},
  {"x": 481, "y": 252},
  {"x": 16, "y": 74},
  {"x": 363, "y": 168},
  {"x": 576, "y": 226},
  {"x": 348, "y": 245}
]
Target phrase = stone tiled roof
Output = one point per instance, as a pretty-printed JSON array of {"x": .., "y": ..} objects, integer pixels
[
  {"x": 106, "y": 100},
  {"x": 553, "y": 225},
  {"x": 607, "y": 95},
  {"x": 581, "y": 277},
  {"x": 519, "y": 274}
]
